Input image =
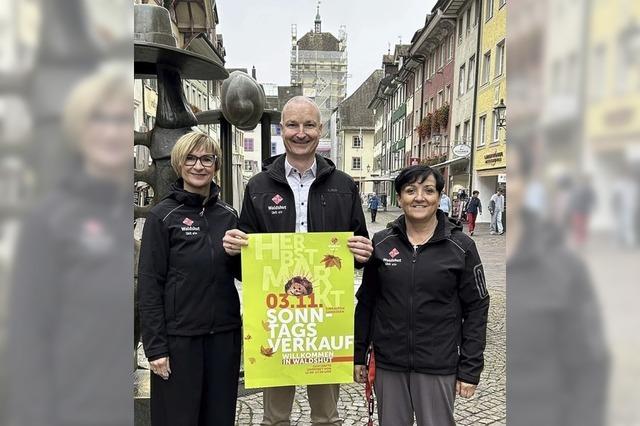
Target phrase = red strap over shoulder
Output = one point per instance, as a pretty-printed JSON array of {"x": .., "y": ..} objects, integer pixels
[{"x": 371, "y": 377}]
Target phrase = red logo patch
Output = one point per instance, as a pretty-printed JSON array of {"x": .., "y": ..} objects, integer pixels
[
  {"x": 277, "y": 199},
  {"x": 187, "y": 221},
  {"x": 393, "y": 253}
]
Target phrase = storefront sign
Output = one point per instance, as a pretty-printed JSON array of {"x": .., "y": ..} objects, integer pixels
[
  {"x": 493, "y": 157},
  {"x": 461, "y": 150}
]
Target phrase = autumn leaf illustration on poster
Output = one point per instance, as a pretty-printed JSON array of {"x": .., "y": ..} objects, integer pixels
[{"x": 298, "y": 307}]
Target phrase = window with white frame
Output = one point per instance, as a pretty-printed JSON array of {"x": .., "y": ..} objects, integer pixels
[
  {"x": 472, "y": 72},
  {"x": 477, "y": 5},
  {"x": 488, "y": 11},
  {"x": 356, "y": 163},
  {"x": 447, "y": 96},
  {"x": 443, "y": 53},
  {"x": 500, "y": 52},
  {"x": 356, "y": 142},
  {"x": 433, "y": 63},
  {"x": 486, "y": 67},
  {"x": 432, "y": 105},
  {"x": 482, "y": 123},
  {"x": 465, "y": 131},
  {"x": 451, "y": 46},
  {"x": 456, "y": 134},
  {"x": 468, "y": 19},
  {"x": 461, "y": 81},
  {"x": 440, "y": 99},
  {"x": 460, "y": 26},
  {"x": 496, "y": 129}
]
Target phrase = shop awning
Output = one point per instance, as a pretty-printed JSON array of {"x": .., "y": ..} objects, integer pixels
[{"x": 449, "y": 162}]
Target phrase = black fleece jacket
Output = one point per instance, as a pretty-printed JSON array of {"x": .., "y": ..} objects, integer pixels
[
  {"x": 185, "y": 283},
  {"x": 424, "y": 308}
]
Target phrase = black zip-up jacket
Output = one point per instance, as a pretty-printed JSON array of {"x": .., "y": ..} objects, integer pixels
[
  {"x": 185, "y": 279},
  {"x": 425, "y": 309},
  {"x": 334, "y": 202},
  {"x": 69, "y": 308}
]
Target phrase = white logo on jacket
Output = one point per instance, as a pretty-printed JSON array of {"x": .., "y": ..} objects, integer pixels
[
  {"x": 394, "y": 259},
  {"x": 189, "y": 229},
  {"x": 277, "y": 209}
]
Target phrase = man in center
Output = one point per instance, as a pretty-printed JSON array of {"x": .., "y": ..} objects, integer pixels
[{"x": 301, "y": 191}]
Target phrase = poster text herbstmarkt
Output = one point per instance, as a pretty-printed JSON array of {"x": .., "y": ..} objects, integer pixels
[{"x": 298, "y": 309}]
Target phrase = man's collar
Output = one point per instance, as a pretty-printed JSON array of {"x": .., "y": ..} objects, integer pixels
[{"x": 288, "y": 168}]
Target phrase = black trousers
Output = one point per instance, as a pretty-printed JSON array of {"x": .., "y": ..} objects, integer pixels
[
  {"x": 374, "y": 212},
  {"x": 203, "y": 386}
]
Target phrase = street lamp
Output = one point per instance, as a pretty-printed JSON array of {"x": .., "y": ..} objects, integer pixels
[
  {"x": 368, "y": 168},
  {"x": 501, "y": 110}
]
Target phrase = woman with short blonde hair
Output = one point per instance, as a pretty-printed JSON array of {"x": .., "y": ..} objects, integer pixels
[
  {"x": 189, "y": 305},
  {"x": 191, "y": 142}
]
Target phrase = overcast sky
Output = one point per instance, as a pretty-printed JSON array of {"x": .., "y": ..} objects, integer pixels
[{"x": 258, "y": 32}]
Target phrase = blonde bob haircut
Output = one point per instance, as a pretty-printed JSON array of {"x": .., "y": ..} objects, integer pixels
[
  {"x": 108, "y": 84},
  {"x": 190, "y": 142}
]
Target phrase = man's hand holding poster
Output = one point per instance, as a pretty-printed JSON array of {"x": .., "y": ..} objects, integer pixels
[{"x": 298, "y": 309}]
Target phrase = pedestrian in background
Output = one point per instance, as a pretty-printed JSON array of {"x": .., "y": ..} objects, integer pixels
[
  {"x": 445, "y": 204},
  {"x": 582, "y": 201},
  {"x": 474, "y": 208},
  {"x": 319, "y": 198},
  {"x": 374, "y": 203},
  {"x": 424, "y": 281},
  {"x": 497, "y": 202},
  {"x": 184, "y": 277}
]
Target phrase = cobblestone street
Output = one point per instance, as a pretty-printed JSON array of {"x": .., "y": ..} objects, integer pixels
[{"x": 487, "y": 407}]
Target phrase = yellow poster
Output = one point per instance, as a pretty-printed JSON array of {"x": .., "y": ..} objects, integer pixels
[{"x": 298, "y": 303}]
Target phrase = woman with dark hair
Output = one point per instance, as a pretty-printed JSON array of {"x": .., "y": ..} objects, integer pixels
[{"x": 422, "y": 307}]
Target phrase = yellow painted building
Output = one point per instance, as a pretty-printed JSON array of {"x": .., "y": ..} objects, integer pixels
[
  {"x": 612, "y": 112},
  {"x": 489, "y": 156},
  {"x": 358, "y": 157},
  {"x": 612, "y": 124}
]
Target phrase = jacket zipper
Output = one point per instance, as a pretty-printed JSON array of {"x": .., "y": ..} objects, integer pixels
[
  {"x": 324, "y": 203},
  {"x": 212, "y": 255},
  {"x": 411, "y": 316}
]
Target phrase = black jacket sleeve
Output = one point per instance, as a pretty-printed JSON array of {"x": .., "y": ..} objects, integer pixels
[
  {"x": 152, "y": 276},
  {"x": 358, "y": 222},
  {"x": 34, "y": 298},
  {"x": 474, "y": 301},
  {"x": 366, "y": 295},
  {"x": 248, "y": 222}
]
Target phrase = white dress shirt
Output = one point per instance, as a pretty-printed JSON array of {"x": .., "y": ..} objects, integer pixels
[{"x": 300, "y": 182}]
